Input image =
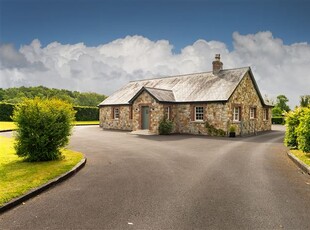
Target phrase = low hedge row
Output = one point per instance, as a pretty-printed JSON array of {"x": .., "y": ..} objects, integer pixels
[
  {"x": 6, "y": 111},
  {"x": 83, "y": 113},
  {"x": 278, "y": 120}
]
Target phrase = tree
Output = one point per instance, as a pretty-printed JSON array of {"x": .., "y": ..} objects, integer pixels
[
  {"x": 276, "y": 112},
  {"x": 16, "y": 95},
  {"x": 304, "y": 101},
  {"x": 281, "y": 103},
  {"x": 44, "y": 126},
  {"x": 1, "y": 94}
]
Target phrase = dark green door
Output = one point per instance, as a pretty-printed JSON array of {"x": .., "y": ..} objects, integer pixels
[{"x": 145, "y": 117}]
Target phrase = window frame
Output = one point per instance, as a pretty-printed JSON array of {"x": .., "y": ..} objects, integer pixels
[
  {"x": 167, "y": 111},
  {"x": 252, "y": 112},
  {"x": 116, "y": 115},
  {"x": 265, "y": 114},
  {"x": 200, "y": 113},
  {"x": 239, "y": 114}
]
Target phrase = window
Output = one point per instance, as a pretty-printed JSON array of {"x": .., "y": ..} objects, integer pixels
[
  {"x": 252, "y": 113},
  {"x": 116, "y": 113},
  {"x": 265, "y": 115},
  {"x": 237, "y": 114},
  {"x": 167, "y": 112},
  {"x": 199, "y": 113}
]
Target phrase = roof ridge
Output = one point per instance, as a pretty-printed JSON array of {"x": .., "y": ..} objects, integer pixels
[
  {"x": 182, "y": 75},
  {"x": 157, "y": 88}
]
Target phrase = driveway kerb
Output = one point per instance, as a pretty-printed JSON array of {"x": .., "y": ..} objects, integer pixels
[
  {"x": 7, "y": 130},
  {"x": 299, "y": 163},
  {"x": 44, "y": 187}
]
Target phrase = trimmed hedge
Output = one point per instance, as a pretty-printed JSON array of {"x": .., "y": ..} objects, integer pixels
[
  {"x": 6, "y": 111},
  {"x": 278, "y": 120},
  {"x": 83, "y": 113},
  {"x": 297, "y": 133}
]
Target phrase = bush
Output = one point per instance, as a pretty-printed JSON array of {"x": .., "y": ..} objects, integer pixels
[
  {"x": 291, "y": 123},
  {"x": 278, "y": 120},
  {"x": 84, "y": 113},
  {"x": 6, "y": 111},
  {"x": 44, "y": 126},
  {"x": 165, "y": 127},
  {"x": 303, "y": 131},
  {"x": 212, "y": 131}
]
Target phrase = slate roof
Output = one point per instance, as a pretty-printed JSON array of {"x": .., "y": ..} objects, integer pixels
[
  {"x": 198, "y": 87},
  {"x": 161, "y": 95}
]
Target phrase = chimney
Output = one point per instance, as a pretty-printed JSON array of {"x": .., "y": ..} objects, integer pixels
[{"x": 217, "y": 64}]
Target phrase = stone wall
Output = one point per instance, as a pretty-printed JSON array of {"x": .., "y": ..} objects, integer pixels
[
  {"x": 108, "y": 122},
  {"x": 246, "y": 97},
  {"x": 156, "y": 112},
  {"x": 218, "y": 115}
]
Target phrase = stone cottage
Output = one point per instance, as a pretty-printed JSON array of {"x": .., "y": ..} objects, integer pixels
[{"x": 193, "y": 102}]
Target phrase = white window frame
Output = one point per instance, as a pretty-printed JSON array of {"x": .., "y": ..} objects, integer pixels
[
  {"x": 236, "y": 114},
  {"x": 265, "y": 114},
  {"x": 116, "y": 113},
  {"x": 199, "y": 113},
  {"x": 167, "y": 112},
  {"x": 252, "y": 112}
]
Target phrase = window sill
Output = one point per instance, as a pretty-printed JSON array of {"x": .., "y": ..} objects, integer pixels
[{"x": 200, "y": 121}]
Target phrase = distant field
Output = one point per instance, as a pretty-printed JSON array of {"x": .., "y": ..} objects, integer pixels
[{"x": 8, "y": 125}]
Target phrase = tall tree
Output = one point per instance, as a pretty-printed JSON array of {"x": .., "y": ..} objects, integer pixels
[
  {"x": 282, "y": 103},
  {"x": 305, "y": 101}
]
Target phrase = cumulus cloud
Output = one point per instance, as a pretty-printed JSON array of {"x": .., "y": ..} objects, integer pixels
[{"x": 278, "y": 68}]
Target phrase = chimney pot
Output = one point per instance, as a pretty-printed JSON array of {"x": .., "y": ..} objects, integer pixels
[{"x": 217, "y": 64}]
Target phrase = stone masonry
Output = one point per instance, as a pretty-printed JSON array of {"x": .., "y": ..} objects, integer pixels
[{"x": 220, "y": 115}]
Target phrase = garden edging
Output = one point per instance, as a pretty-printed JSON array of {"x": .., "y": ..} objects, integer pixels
[
  {"x": 299, "y": 163},
  {"x": 43, "y": 187}
]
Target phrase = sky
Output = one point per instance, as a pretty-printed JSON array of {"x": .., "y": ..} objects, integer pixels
[{"x": 98, "y": 46}]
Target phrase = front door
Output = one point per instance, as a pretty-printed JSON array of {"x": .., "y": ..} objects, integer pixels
[{"x": 145, "y": 117}]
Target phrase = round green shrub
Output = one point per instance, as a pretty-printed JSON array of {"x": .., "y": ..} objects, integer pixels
[
  {"x": 44, "y": 127},
  {"x": 165, "y": 127}
]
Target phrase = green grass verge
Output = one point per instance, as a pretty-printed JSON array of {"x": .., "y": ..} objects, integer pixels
[
  {"x": 9, "y": 125},
  {"x": 302, "y": 156},
  {"x": 86, "y": 123},
  {"x": 18, "y": 177}
]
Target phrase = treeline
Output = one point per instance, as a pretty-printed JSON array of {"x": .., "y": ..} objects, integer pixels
[
  {"x": 16, "y": 95},
  {"x": 83, "y": 113}
]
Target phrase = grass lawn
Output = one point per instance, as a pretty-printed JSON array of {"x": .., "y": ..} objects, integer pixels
[
  {"x": 9, "y": 125},
  {"x": 86, "y": 123},
  {"x": 18, "y": 177},
  {"x": 302, "y": 156}
]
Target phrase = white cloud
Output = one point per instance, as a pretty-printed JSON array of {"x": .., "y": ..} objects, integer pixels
[{"x": 278, "y": 68}]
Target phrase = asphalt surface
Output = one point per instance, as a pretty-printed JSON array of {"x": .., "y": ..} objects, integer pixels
[{"x": 172, "y": 182}]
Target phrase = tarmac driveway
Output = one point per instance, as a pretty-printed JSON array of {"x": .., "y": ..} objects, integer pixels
[{"x": 172, "y": 182}]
